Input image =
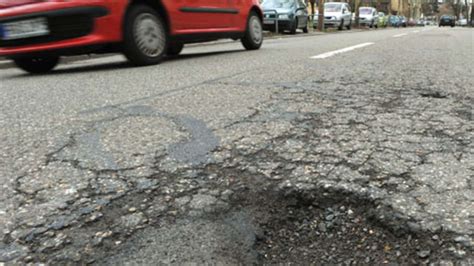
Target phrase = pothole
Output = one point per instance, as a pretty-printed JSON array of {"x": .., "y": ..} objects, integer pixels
[
  {"x": 270, "y": 226},
  {"x": 318, "y": 227}
]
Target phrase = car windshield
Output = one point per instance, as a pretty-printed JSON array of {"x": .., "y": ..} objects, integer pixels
[
  {"x": 278, "y": 4},
  {"x": 365, "y": 11},
  {"x": 332, "y": 7}
]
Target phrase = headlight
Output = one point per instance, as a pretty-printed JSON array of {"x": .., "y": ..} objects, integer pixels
[{"x": 283, "y": 16}]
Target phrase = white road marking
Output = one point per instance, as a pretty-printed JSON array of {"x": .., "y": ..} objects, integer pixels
[
  {"x": 344, "y": 50},
  {"x": 416, "y": 31},
  {"x": 399, "y": 35}
]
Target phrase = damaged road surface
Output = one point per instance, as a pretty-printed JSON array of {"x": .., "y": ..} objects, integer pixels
[{"x": 245, "y": 158}]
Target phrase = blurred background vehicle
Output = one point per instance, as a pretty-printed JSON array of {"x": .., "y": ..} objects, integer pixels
[
  {"x": 420, "y": 23},
  {"x": 403, "y": 21},
  {"x": 394, "y": 21},
  {"x": 382, "y": 20},
  {"x": 462, "y": 22},
  {"x": 337, "y": 15},
  {"x": 289, "y": 15},
  {"x": 368, "y": 16},
  {"x": 411, "y": 22},
  {"x": 447, "y": 20}
]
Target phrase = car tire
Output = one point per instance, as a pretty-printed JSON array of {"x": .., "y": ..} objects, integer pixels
[
  {"x": 37, "y": 65},
  {"x": 348, "y": 27},
  {"x": 341, "y": 26},
  {"x": 253, "y": 37},
  {"x": 142, "y": 47},
  {"x": 174, "y": 49}
]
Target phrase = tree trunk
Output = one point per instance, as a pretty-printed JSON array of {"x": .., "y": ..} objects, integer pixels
[{"x": 321, "y": 15}]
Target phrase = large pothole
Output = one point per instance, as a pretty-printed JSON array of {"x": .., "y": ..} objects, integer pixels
[{"x": 272, "y": 226}]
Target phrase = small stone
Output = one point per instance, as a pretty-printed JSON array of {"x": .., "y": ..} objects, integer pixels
[
  {"x": 201, "y": 201},
  {"x": 464, "y": 240},
  {"x": 133, "y": 209},
  {"x": 446, "y": 263},
  {"x": 330, "y": 217},
  {"x": 226, "y": 194},
  {"x": 459, "y": 253},
  {"x": 435, "y": 237},
  {"x": 350, "y": 212},
  {"x": 183, "y": 201},
  {"x": 414, "y": 227},
  {"x": 423, "y": 254},
  {"x": 94, "y": 217},
  {"x": 133, "y": 220},
  {"x": 322, "y": 227}
]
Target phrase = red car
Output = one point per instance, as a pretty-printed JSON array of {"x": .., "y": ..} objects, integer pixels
[{"x": 36, "y": 33}]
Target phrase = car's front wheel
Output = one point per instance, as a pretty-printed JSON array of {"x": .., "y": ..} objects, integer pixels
[
  {"x": 253, "y": 37},
  {"x": 341, "y": 26},
  {"x": 145, "y": 36},
  {"x": 37, "y": 65}
]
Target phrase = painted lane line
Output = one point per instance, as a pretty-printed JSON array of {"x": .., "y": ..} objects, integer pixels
[
  {"x": 399, "y": 35},
  {"x": 416, "y": 31},
  {"x": 344, "y": 50}
]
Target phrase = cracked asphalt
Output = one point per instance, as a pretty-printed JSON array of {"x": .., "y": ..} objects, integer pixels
[{"x": 233, "y": 157}]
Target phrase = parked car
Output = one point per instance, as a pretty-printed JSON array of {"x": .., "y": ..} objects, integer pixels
[
  {"x": 403, "y": 21},
  {"x": 368, "y": 16},
  {"x": 462, "y": 22},
  {"x": 383, "y": 20},
  {"x": 411, "y": 23},
  {"x": 446, "y": 20},
  {"x": 290, "y": 15},
  {"x": 420, "y": 23},
  {"x": 337, "y": 15},
  {"x": 394, "y": 21},
  {"x": 35, "y": 34}
]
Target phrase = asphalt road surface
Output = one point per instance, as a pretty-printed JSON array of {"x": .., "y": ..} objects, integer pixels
[{"x": 349, "y": 148}]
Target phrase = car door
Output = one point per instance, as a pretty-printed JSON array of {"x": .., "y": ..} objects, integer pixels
[
  {"x": 205, "y": 15},
  {"x": 346, "y": 14}
]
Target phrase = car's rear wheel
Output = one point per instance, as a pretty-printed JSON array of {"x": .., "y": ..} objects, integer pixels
[
  {"x": 37, "y": 65},
  {"x": 145, "y": 36},
  {"x": 175, "y": 49},
  {"x": 253, "y": 37}
]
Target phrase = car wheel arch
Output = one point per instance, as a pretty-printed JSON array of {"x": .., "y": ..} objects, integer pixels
[
  {"x": 157, "y": 5},
  {"x": 257, "y": 10}
]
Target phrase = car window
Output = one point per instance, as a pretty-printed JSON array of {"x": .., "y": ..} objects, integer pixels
[
  {"x": 364, "y": 11},
  {"x": 332, "y": 8},
  {"x": 278, "y": 4}
]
